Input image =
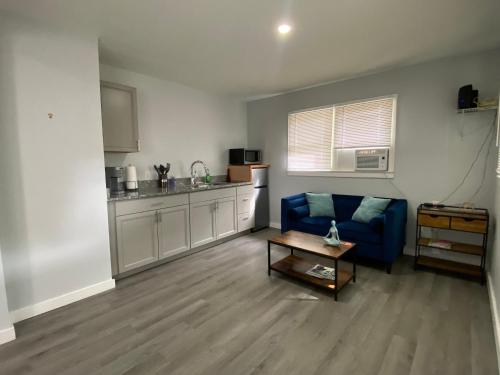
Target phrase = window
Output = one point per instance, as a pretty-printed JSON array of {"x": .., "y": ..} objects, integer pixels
[{"x": 325, "y": 140}]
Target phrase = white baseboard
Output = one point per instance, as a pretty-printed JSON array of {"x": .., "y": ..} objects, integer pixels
[
  {"x": 494, "y": 315},
  {"x": 275, "y": 225},
  {"x": 59, "y": 301},
  {"x": 7, "y": 334}
]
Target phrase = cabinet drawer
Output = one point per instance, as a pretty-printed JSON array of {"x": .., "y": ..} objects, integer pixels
[
  {"x": 469, "y": 225},
  {"x": 434, "y": 221},
  {"x": 244, "y": 190},
  {"x": 245, "y": 221},
  {"x": 148, "y": 204},
  {"x": 245, "y": 203},
  {"x": 202, "y": 196}
]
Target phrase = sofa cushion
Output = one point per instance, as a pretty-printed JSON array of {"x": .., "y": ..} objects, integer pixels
[
  {"x": 319, "y": 225},
  {"x": 353, "y": 231},
  {"x": 345, "y": 205},
  {"x": 299, "y": 212},
  {"x": 320, "y": 204},
  {"x": 369, "y": 208}
]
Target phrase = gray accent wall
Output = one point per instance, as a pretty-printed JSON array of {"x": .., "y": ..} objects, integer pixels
[{"x": 434, "y": 144}]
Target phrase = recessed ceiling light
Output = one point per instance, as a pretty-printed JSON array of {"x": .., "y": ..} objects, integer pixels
[{"x": 284, "y": 29}]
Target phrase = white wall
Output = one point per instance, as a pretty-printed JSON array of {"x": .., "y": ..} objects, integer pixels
[
  {"x": 434, "y": 144},
  {"x": 7, "y": 332},
  {"x": 179, "y": 125},
  {"x": 53, "y": 223},
  {"x": 494, "y": 273}
]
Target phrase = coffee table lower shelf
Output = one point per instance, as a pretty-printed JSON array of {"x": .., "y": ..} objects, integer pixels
[{"x": 297, "y": 267}]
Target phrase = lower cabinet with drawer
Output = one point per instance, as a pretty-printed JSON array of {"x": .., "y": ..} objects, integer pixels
[
  {"x": 246, "y": 209},
  {"x": 451, "y": 218},
  {"x": 145, "y": 231},
  {"x": 213, "y": 216}
]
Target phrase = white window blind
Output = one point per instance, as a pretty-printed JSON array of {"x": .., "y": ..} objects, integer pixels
[
  {"x": 364, "y": 124},
  {"x": 310, "y": 139}
]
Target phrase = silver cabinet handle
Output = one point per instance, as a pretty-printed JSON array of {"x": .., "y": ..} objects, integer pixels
[
  {"x": 159, "y": 217},
  {"x": 246, "y": 199},
  {"x": 245, "y": 218}
]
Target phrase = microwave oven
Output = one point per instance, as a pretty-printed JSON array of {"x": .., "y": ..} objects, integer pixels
[{"x": 244, "y": 156}]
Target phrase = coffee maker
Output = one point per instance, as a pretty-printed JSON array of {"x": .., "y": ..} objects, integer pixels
[{"x": 115, "y": 180}]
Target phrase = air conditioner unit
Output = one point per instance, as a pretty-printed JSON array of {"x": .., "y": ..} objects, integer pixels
[{"x": 372, "y": 159}]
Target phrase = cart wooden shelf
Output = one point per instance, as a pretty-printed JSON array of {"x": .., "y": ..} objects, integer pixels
[{"x": 455, "y": 219}]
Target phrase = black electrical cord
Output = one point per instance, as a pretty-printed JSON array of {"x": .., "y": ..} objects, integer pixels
[{"x": 485, "y": 141}]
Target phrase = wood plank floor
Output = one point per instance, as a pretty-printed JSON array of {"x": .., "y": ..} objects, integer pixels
[{"x": 217, "y": 312}]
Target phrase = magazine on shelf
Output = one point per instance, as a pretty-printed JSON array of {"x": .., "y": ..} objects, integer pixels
[
  {"x": 322, "y": 272},
  {"x": 442, "y": 244}
]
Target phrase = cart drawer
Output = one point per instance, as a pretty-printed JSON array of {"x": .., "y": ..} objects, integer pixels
[
  {"x": 434, "y": 221},
  {"x": 469, "y": 225}
]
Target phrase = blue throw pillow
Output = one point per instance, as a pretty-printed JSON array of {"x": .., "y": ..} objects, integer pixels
[
  {"x": 369, "y": 208},
  {"x": 320, "y": 204}
]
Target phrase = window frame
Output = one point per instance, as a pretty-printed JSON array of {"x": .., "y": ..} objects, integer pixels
[{"x": 350, "y": 174}]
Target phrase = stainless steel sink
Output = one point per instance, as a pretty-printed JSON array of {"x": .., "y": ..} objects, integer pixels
[
  {"x": 198, "y": 186},
  {"x": 219, "y": 183},
  {"x": 203, "y": 185}
]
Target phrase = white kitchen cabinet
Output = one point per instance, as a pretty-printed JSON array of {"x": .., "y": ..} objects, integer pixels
[
  {"x": 147, "y": 231},
  {"x": 119, "y": 118},
  {"x": 213, "y": 219},
  {"x": 245, "y": 203},
  {"x": 246, "y": 208},
  {"x": 203, "y": 222},
  {"x": 173, "y": 231},
  {"x": 137, "y": 240},
  {"x": 226, "y": 217}
]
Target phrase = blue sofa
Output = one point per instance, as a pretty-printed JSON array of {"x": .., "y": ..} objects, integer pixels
[{"x": 382, "y": 239}]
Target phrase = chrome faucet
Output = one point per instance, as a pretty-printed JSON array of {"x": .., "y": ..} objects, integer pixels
[{"x": 193, "y": 174}]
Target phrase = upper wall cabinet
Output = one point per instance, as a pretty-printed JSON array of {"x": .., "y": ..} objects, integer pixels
[{"x": 119, "y": 117}]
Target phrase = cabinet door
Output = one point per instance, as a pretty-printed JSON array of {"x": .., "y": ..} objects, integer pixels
[
  {"x": 202, "y": 218},
  {"x": 137, "y": 240},
  {"x": 226, "y": 217},
  {"x": 246, "y": 221},
  {"x": 119, "y": 118},
  {"x": 173, "y": 231}
]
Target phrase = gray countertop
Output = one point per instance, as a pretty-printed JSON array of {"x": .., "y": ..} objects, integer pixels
[{"x": 149, "y": 190}]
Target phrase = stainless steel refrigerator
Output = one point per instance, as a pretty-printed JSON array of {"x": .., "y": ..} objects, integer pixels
[{"x": 261, "y": 196}]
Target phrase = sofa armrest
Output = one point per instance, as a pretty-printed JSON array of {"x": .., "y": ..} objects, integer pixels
[
  {"x": 284, "y": 215},
  {"x": 395, "y": 229},
  {"x": 286, "y": 204}
]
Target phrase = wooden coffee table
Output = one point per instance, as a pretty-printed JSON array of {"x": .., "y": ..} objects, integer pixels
[{"x": 296, "y": 267}]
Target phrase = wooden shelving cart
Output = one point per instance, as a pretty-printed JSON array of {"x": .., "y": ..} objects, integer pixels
[{"x": 473, "y": 220}]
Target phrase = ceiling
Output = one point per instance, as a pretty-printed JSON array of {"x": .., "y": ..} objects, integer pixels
[{"x": 231, "y": 47}]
